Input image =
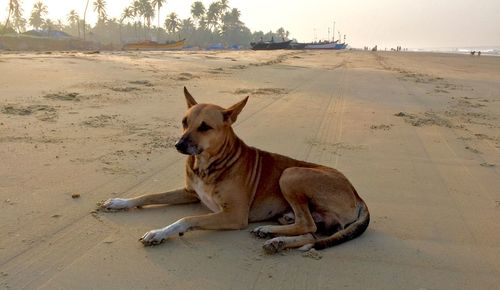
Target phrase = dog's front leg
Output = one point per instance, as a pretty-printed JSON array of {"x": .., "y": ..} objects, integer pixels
[
  {"x": 214, "y": 221},
  {"x": 178, "y": 196}
]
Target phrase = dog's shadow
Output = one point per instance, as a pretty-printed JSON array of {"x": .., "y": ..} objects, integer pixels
[
  {"x": 222, "y": 257},
  {"x": 374, "y": 246}
]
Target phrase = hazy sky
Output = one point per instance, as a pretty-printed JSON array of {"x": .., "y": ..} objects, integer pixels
[{"x": 417, "y": 23}]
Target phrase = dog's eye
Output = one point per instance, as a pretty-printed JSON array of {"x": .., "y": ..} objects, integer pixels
[
  {"x": 184, "y": 123},
  {"x": 204, "y": 127}
]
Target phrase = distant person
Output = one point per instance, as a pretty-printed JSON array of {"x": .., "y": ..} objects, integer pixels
[
  {"x": 479, "y": 53},
  {"x": 272, "y": 38}
]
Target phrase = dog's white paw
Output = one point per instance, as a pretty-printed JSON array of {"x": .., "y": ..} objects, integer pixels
[
  {"x": 115, "y": 204},
  {"x": 154, "y": 237},
  {"x": 263, "y": 232},
  {"x": 274, "y": 246}
]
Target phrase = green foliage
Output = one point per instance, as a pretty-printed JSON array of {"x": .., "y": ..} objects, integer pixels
[
  {"x": 39, "y": 11},
  {"x": 218, "y": 24},
  {"x": 100, "y": 8},
  {"x": 172, "y": 23}
]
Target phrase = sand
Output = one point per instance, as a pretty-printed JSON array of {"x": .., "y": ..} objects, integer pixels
[{"x": 418, "y": 134}]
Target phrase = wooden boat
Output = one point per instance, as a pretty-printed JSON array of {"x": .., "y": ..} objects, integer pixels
[
  {"x": 270, "y": 45},
  {"x": 327, "y": 45},
  {"x": 330, "y": 45},
  {"x": 152, "y": 45}
]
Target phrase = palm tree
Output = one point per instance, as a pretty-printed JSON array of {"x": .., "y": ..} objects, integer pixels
[
  {"x": 186, "y": 27},
  {"x": 48, "y": 25},
  {"x": 159, "y": 4},
  {"x": 213, "y": 15},
  {"x": 128, "y": 12},
  {"x": 58, "y": 25},
  {"x": 187, "y": 24},
  {"x": 143, "y": 8},
  {"x": 232, "y": 27},
  {"x": 231, "y": 20},
  {"x": 14, "y": 9},
  {"x": 100, "y": 7},
  {"x": 172, "y": 23},
  {"x": 198, "y": 11},
  {"x": 223, "y": 6},
  {"x": 19, "y": 23},
  {"x": 37, "y": 14},
  {"x": 74, "y": 18},
  {"x": 84, "y": 17},
  {"x": 148, "y": 13},
  {"x": 203, "y": 23},
  {"x": 134, "y": 11},
  {"x": 135, "y": 7}
]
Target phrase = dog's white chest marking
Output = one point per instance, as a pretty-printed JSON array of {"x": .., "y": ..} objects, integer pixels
[{"x": 205, "y": 196}]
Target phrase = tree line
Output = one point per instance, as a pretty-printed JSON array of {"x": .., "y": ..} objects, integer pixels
[{"x": 217, "y": 23}]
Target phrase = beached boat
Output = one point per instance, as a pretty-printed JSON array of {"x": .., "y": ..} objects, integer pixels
[
  {"x": 270, "y": 45},
  {"x": 330, "y": 45},
  {"x": 335, "y": 45},
  {"x": 152, "y": 45}
]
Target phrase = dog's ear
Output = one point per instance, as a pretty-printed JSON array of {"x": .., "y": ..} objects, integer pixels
[
  {"x": 232, "y": 112},
  {"x": 189, "y": 99}
]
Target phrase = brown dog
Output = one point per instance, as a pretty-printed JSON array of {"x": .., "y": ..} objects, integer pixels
[{"x": 242, "y": 184}]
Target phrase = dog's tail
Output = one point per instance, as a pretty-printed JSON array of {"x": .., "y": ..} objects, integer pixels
[{"x": 350, "y": 232}]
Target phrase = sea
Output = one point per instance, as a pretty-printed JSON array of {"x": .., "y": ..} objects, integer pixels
[{"x": 485, "y": 50}]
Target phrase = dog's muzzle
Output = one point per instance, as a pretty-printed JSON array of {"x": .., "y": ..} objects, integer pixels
[{"x": 184, "y": 146}]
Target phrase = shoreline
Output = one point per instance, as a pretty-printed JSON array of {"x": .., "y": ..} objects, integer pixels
[{"x": 417, "y": 134}]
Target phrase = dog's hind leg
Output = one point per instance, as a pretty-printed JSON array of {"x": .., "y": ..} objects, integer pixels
[
  {"x": 178, "y": 196},
  {"x": 317, "y": 196},
  {"x": 293, "y": 183},
  {"x": 277, "y": 244}
]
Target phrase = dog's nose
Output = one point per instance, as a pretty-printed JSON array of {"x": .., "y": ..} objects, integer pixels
[{"x": 181, "y": 145}]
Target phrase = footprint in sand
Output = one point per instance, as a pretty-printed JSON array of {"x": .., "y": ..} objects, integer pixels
[
  {"x": 262, "y": 91},
  {"x": 381, "y": 127},
  {"x": 142, "y": 82},
  {"x": 41, "y": 112},
  {"x": 425, "y": 119},
  {"x": 63, "y": 96},
  {"x": 184, "y": 77},
  {"x": 99, "y": 121}
]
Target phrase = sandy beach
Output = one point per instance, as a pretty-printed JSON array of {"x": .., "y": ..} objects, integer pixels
[{"x": 418, "y": 134}]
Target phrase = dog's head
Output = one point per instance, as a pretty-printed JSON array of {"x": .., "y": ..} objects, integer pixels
[{"x": 206, "y": 126}]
